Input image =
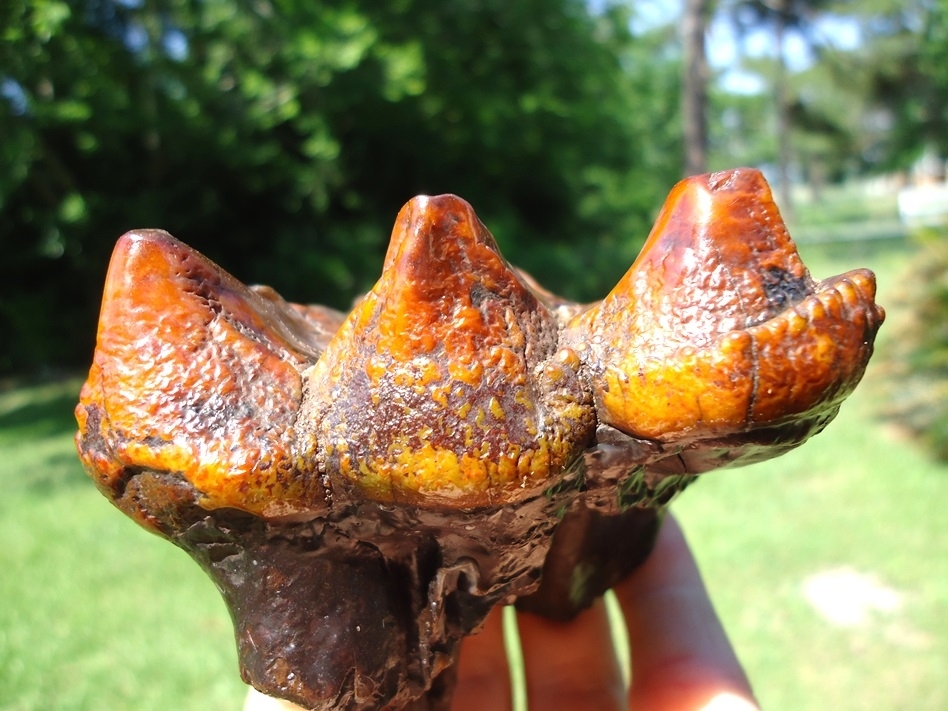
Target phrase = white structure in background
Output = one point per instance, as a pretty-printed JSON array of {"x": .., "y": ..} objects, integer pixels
[{"x": 925, "y": 202}]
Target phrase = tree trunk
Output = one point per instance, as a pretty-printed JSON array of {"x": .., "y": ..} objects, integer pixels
[
  {"x": 782, "y": 106},
  {"x": 694, "y": 86}
]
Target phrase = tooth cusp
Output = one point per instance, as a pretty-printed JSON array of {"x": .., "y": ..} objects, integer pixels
[
  {"x": 718, "y": 327},
  {"x": 473, "y": 408},
  {"x": 804, "y": 371},
  {"x": 200, "y": 378}
]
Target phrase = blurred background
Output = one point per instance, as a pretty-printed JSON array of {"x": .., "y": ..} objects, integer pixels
[{"x": 280, "y": 138}]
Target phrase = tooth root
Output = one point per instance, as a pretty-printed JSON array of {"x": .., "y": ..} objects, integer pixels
[
  {"x": 196, "y": 375},
  {"x": 720, "y": 275},
  {"x": 449, "y": 343}
]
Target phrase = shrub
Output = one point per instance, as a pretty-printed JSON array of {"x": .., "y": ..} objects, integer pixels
[{"x": 915, "y": 357}]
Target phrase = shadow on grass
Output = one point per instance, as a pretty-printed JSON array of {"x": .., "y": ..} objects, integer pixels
[
  {"x": 56, "y": 474},
  {"x": 36, "y": 439},
  {"x": 38, "y": 411}
]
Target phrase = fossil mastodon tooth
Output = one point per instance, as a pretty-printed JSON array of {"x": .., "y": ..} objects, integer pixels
[
  {"x": 363, "y": 489},
  {"x": 446, "y": 385},
  {"x": 718, "y": 327}
]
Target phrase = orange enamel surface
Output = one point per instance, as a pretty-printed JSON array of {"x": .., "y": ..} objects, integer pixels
[
  {"x": 717, "y": 327},
  {"x": 458, "y": 382},
  {"x": 193, "y": 375},
  {"x": 442, "y": 385},
  {"x": 815, "y": 355}
]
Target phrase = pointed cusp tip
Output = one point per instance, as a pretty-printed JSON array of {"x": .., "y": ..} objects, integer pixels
[
  {"x": 742, "y": 179},
  {"x": 748, "y": 181},
  {"x": 135, "y": 246},
  {"x": 422, "y": 211},
  {"x": 152, "y": 236}
]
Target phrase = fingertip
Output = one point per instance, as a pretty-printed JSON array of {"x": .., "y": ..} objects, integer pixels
[
  {"x": 257, "y": 701},
  {"x": 729, "y": 702},
  {"x": 571, "y": 665},
  {"x": 682, "y": 659}
]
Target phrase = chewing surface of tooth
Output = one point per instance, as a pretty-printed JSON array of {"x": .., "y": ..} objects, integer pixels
[{"x": 452, "y": 383}]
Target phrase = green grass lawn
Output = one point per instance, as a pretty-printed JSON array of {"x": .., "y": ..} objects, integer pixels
[
  {"x": 857, "y": 497},
  {"x": 97, "y": 614}
]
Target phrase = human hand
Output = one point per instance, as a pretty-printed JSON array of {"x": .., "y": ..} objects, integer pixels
[{"x": 681, "y": 657}]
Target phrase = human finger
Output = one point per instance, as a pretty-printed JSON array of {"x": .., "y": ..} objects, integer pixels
[
  {"x": 257, "y": 701},
  {"x": 682, "y": 659},
  {"x": 571, "y": 665},
  {"x": 483, "y": 680}
]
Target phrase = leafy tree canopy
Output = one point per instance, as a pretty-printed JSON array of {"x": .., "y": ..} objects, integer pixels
[{"x": 280, "y": 137}]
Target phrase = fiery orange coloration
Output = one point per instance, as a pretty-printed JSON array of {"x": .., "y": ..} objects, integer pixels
[
  {"x": 456, "y": 357},
  {"x": 197, "y": 375},
  {"x": 718, "y": 328},
  {"x": 364, "y": 489}
]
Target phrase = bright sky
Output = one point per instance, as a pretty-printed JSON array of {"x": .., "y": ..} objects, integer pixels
[
  {"x": 838, "y": 32},
  {"x": 723, "y": 53}
]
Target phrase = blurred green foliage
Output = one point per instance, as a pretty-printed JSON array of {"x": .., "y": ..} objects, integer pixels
[
  {"x": 280, "y": 138},
  {"x": 916, "y": 357},
  {"x": 867, "y": 90},
  {"x": 905, "y": 63}
]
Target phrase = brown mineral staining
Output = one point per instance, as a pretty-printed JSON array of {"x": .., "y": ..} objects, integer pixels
[
  {"x": 442, "y": 387},
  {"x": 717, "y": 327},
  {"x": 363, "y": 489}
]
